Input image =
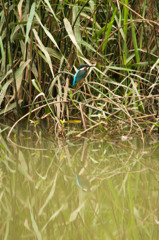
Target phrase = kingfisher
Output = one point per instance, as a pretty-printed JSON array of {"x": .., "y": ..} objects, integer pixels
[{"x": 81, "y": 73}]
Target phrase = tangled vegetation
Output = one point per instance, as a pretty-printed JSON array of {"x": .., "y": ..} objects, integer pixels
[{"x": 42, "y": 43}]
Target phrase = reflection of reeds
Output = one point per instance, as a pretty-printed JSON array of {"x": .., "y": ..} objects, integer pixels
[
  {"x": 45, "y": 42},
  {"x": 41, "y": 198}
]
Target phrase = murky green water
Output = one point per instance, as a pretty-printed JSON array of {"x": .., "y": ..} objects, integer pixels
[{"x": 79, "y": 189}]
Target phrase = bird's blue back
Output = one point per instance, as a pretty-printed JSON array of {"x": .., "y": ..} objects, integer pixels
[
  {"x": 79, "y": 75},
  {"x": 74, "y": 79}
]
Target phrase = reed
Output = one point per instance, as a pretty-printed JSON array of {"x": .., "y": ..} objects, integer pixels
[{"x": 47, "y": 41}]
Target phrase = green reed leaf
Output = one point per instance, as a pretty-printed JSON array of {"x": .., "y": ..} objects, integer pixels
[{"x": 29, "y": 22}]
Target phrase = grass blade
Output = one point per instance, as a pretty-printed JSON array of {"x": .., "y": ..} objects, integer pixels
[
  {"x": 71, "y": 34},
  {"x": 30, "y": 21},
  {"x": 43, "y": 49}
]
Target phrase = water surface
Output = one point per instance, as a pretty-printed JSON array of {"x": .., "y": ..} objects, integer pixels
[{"x": 87, "y": 188}]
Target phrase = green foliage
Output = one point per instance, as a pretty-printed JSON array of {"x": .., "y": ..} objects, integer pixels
[{"x": 47, "y": 41}]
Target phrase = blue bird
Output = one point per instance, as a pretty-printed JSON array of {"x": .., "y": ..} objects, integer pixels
[
  {"x": 82, "y": 182},
  {"x": 81, "y": 73}
]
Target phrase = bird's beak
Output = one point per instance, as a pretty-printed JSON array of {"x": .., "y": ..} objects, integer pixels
[
  {"x": 92, "y": 66},
  {"x": 88, "y": 67}
]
